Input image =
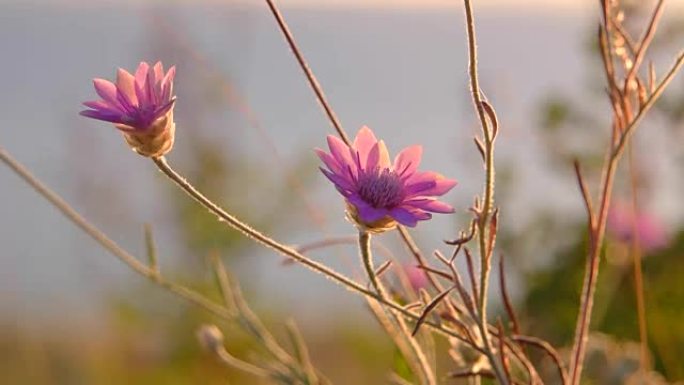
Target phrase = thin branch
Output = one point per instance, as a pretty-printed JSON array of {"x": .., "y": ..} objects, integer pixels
[
  {"x": 548, "y": 349},
  {"x": 619, "y": 148},
  {"x": 151, "y": 248},
  {"x": 624, "y": 34},
  {"x": 315, "y": 86},
  {"x": 506, "y": 299},
  {"x": 502, "y": 351},
  {"x": 302, "y": 352},
  {"x": 471, "y": 373},
  {"x": 586, "y": 197},
  {"x": 333, "y": 241},
  {"x": 232, "y": 361},
  {"x": 458, "y": 283},
  {"x": 645, "y": 42},
  {"x": 429, "y": 307},
  {"x": 223, "y": 281},
  {"x": 464, "y": 238},
  {"x": 471, "y": 275},
  {"x": 383, "y": 268}
]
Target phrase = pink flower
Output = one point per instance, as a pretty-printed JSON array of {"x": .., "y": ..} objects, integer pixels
[
  {"x": 139, "y": 105},
  {"x": 380, "y": 193},
  {"x": 416, "y": 276},
  {"x": 650, "y": 230}
]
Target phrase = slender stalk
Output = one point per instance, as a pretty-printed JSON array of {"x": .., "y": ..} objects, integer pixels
[
  {"x": 315, "y": 86},
  {"x": 423, "y": 366},
  {"x": 636, "y": 253},
  {"x": 488, "y": 196},
  {"x": 367, "y": 259},
  {"x": 591, "y": 276}
]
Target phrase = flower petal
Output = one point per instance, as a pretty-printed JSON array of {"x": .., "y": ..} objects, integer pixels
[
  {"x": 428, "y": 184},
  {"x": 126, "y": 105},
  {"x": 107, "y": 116},
  {"x": 343, "y": 184},
  {"x": 167, "y": 84},
  {"x": 143, "y": 98},
  {"x": 363, "y": 143},
  {"x": 161, "y": 111},
  {"x": 342, "y": 153},
  {"x": 378, "y": 157},
  {"x": 408, "y": 216},
  {"x": 430, "y": 204},
  {"x": 152, "y": 97},
  {"x": 158, "y": 71},
  {"x": 141, "y": 74},
  {"x": 125, "y": 82},
  {"x": 418, "y": 189},
  {"x": 328, "y": 160},
  {"x": 407, "y": 161},
  {"x": 157, "y": 81},
  {"x": 107, "y": 91},
  {"x": 366, "y": 212},
  {"x": 102, "y": 106}
]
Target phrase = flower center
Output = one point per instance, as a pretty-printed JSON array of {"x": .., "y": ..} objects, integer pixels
[{"x": 381, "y": 188}]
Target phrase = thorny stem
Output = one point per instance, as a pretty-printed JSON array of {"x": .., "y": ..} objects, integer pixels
[
  {"x": 367, "y": 259},
  {"x": 148, "y": 272},
  {"x": 288, "y": 251},
  {"x": 591, "y": 275},
  {"x": 488, "y": 200}
]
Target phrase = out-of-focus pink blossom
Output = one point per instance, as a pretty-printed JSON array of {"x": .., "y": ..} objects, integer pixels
[
  {"x": 651, "y": 232},
  {"x": 416, "y": 276}
]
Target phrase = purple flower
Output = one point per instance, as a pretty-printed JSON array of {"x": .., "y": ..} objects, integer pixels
[
  {"x": 651, "y": 232},
  {"x": 380, "y": 193},
  {"x": 139, "y": 105}
]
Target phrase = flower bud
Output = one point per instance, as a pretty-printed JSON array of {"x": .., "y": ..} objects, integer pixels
[
  {"x": 210, "y": 337},
  {"x": 156, "y": 141},
  {"x": 140, "y": 106}
]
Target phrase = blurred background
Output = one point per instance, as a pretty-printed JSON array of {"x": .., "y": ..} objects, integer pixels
[{"x": 247, "y": 125}]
